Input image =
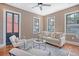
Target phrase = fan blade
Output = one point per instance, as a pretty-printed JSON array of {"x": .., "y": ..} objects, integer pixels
[
  {"x": 41, "y": 8},
  {"x": 46, "y": 4},
  {"x": 35, "y": 6}
]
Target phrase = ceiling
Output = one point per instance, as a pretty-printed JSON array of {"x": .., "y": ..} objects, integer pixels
[{"x": 46, "y": 10}]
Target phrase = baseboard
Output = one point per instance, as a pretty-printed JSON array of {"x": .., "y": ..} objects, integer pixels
[{"x": 74, "y": 43}]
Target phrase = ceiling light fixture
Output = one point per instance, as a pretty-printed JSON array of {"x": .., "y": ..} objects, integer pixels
[{"x": 40, "y": 5}]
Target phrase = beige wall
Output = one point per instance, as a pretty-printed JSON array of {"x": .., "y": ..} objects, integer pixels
[
  {"x": 60, "y": 20},
  {"x": 1, "y": 26},
  {"x": 26, "y": 20}
]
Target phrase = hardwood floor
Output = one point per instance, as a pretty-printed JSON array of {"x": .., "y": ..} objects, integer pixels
[
  {"x": 72, "y": 48},
  {"x": 4, "y": 51},
  {"x": 75, "y": 49}
]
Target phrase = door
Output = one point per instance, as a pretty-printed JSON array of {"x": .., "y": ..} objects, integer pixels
[{"x": 12, "y": 25}]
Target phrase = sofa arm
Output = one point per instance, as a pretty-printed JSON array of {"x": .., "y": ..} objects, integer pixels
[{"x": 62, "y": 40}]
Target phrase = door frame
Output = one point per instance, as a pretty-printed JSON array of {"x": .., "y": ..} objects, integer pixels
[{"x": 4, "y": 24}]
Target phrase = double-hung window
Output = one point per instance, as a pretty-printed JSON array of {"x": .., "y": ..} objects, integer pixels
[
  {"x": 35, "y": 25},
  {"x": 72, "y": 23},
  {"x": 50, "y": 24}
]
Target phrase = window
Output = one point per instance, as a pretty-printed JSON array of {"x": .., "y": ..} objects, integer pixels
[
  {"x": 12, "y": 22},
  {"x": 35, "y": 25},
  {"x": 72, "y": 23},
  {"x": 9, "y": 22},
  {"x": 12, "y": 25},
  {"x": 51, "y": 24},
  {"x": 16, "y": 23}
]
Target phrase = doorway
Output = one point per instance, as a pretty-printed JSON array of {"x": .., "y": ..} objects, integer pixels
[{"x": 12, "y": 26}]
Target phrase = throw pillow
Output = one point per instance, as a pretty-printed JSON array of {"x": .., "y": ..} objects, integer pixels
[{"x": 53, "y": 35}]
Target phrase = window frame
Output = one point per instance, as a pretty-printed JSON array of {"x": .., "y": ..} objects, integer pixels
[
  {"x": 54, "y": 22},
  {"x": 65, "y": 31},
  {"x": 13, "y": 14},
  {"x": 33, "y": 25}
]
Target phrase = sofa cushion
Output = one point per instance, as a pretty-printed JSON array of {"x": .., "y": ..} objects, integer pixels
[
  {"x": 53, "y": 41},
  {"x": 49, "y": 38},
  {"x": 56, "y": 35}
]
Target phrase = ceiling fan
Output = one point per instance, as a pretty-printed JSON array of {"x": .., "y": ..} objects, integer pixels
[{"x": 40, "y": 5}]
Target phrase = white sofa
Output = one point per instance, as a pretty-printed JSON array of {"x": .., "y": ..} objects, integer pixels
[
  {"x": 55, "y": 38},
  {"x": 29, "y": 52}
]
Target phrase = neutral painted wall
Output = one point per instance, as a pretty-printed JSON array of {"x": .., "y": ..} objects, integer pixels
[
  {"x": 60, "y": 21},
  {"x": 1, "y": 26}
]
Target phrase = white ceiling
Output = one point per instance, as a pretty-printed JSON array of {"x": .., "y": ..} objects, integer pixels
[{"x": 46, "y": 10}]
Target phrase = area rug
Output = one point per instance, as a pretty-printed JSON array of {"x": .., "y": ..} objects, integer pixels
[{"x": 55, "y": 51}]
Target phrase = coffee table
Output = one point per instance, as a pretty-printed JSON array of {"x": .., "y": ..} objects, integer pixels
[
  {"x": 39, "y": 43},
  {"x": 34, "y": 43}
]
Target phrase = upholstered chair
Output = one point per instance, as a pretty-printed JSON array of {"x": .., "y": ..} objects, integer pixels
[{"x": 16, "y": 42}]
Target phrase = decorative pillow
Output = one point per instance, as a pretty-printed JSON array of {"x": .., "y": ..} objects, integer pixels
[
  {"x": 16, "y": 39},
  {"x": 49, "y": 34},
  {"x": 53, "y": 34},
  {"x": 12, "y": 38},
  {"x": 58, "y": 35}
]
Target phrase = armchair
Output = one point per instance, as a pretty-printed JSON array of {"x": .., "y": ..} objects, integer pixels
[{"x": 16, "y": 42}]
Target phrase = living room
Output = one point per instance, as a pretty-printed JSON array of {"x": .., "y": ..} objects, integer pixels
[{"x": 41, "y": 31}]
